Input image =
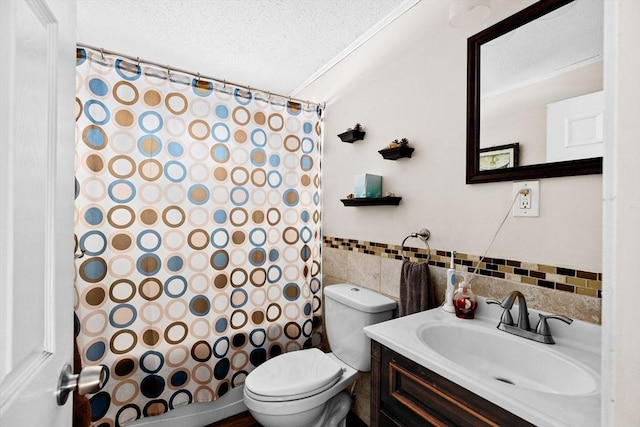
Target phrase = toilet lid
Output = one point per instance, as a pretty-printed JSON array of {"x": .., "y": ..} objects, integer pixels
[{"x": 295, "y": 374}]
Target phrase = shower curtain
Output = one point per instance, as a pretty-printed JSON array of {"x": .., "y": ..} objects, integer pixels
[{"x": 198, "y": 212}]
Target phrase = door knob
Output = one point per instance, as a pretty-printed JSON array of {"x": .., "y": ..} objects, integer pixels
[{"x": 88, "y": 381}]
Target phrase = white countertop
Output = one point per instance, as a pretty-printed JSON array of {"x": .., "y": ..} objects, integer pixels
[{"x": 579, "y": 342}]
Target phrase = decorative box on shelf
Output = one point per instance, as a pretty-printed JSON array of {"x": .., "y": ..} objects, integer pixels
[
  {"x": 396, "y": 152},
  {"x": 372, "y": 201},
  {"x": 367, "y": 185},
  {"x": 351, "y": 135}
]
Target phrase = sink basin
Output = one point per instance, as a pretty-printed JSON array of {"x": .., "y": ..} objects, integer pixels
[
  {"x": 547, "y": 385},
  {"x": 493, "y": 354}
]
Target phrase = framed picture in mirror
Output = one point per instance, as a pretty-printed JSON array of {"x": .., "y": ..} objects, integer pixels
[{"x": 499, "y": 157}]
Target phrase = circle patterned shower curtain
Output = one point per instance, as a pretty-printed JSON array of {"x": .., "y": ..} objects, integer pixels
[{"x": 198, "y": 209}]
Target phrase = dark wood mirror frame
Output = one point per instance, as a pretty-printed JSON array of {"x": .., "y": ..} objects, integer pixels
[{"x": 544, "y": 170}]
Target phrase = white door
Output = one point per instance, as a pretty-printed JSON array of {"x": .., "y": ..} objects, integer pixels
[
  {"x": 575, "y": 128},
  {"x": 37, "y": 92}
]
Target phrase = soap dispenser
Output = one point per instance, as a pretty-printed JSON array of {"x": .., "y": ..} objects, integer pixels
[{"x": 464, "y": 300}]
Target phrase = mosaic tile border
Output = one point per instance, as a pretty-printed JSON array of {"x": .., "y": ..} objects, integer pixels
[{"x": 547, "y": 276}]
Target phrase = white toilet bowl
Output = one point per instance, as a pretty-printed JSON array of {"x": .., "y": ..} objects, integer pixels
[
  {"x": 306, "y": 388},
  {"x": 309, "y": 390}
]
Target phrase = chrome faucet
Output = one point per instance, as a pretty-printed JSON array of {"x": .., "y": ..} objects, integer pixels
[{"x": 542, "y": 333}]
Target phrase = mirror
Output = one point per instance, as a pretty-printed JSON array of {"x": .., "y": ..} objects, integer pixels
[{"x": 534, "y": 94}]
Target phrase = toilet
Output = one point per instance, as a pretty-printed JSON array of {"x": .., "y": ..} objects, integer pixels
[{"x": 308, "y": 387}]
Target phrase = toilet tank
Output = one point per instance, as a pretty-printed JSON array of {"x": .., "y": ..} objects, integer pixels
[{"x": 348, "y": 309}]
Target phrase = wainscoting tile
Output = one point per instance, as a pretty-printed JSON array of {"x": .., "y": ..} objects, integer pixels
[
  {"x": 328, "y": 280},
  {"x": 334, "y": 262},
  {"x": 363, "y": 270},
  {"x": 439, "y": 281},
  {"x": 362, "y": 404},
  {"x": 390, "y": 270},
  {"x": 574, "y": 305}
]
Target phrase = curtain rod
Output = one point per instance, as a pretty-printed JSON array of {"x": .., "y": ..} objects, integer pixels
[{"x": 138, "y": 61}]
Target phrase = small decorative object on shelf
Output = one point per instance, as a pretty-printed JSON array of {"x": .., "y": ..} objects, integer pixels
[
  {"x": 372, "y": 201},
  {"x": 397, "y": 149},
  {"x": 351, "y": 135},
  {"x": 367, "y": 185}
]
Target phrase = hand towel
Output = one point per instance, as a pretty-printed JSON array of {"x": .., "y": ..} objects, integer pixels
[{"x": 416, "y": 292}]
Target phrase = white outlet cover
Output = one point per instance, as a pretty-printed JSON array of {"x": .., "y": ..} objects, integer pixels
[{"x": 534, "y": 188}]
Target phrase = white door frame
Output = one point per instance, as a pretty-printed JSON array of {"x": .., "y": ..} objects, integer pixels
[{"x": 621, "y": 216}]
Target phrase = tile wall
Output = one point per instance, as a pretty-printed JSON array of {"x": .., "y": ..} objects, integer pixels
[{"x": 580, "y": 282}]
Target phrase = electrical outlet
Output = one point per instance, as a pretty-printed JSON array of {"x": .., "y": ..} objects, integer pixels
[
  {"x": 525, "y": 199},
  {"x": 528, "y": 198}
]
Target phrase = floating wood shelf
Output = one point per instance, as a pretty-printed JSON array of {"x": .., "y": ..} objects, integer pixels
[
  {"x": 352, "y": 135},
  {"x": 372, "y": 201},
  {"x": 396, "y": 152}
]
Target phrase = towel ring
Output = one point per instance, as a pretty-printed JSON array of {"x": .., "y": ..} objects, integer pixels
[{"x": 423, "y": 235}]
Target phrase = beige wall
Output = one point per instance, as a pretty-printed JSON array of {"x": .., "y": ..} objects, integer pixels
[{"x": 410, "y": 81}]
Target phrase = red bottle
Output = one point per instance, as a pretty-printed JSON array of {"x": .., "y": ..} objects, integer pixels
[{"x": 464, "y": 301}]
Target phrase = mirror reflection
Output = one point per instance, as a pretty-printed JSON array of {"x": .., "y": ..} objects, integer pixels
[
  {"x": 539, "y": 77},
  {"x": 536, "y": 93}
]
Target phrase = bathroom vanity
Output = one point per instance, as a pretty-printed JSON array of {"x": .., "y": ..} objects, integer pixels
[
  {"x": 407, "y": 394},
  {"x": 431, "y": 368}
]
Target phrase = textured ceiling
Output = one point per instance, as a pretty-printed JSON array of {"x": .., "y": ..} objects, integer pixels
[
  {"x": 570, "y": 36},
  {"x": 273, "y": 45}
]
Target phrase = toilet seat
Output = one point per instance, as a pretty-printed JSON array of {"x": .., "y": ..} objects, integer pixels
[{"x": 294, "y": 375}]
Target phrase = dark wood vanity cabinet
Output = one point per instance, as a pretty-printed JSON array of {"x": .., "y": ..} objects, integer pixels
[{"x": 406, "y": 394}]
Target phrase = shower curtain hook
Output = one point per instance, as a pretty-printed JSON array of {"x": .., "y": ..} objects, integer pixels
[
  {"x": 102, "y": 53},
  {"x": 224, "y": 84},
  {"x": 198, "y": 79},
  {"x": 307, "y": 104},
  {"x": 168, "y": 72},
  {"x": 81, "y": 254},
  {"x": 248, "y": 90},
  {"x": 138, "y": 61},
  {"x": 269, "y": 96}
]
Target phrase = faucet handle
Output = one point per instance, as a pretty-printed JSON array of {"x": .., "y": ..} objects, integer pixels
[
  {"x": 506, "y": 314},
  {"x": 543, "y": 326}
]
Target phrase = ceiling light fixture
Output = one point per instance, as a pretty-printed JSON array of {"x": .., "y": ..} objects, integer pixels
[{"x": 463, "y": 13}]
